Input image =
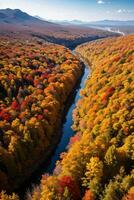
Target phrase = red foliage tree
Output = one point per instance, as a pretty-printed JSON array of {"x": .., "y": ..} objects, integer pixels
[
  {"x": 67, "y": 181},
  {"x": 110, "y": 91},
  {"x": 4, "y": 115},
  {"x": 75, "y": 138},
  {"x": 15, "y": 105}
]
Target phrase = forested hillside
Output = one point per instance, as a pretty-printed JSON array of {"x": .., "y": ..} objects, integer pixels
[
  {"x": 99, "y": 162},
  {"x": 35, "y": 81}
]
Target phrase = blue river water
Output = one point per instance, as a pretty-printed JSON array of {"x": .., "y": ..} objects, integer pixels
[{"x": 67, "y": 131}]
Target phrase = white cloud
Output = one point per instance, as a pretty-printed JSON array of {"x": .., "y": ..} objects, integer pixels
[
  {"x": 119, "y": 11},
  {"x": 125, "y": 11},
  {"x": 100, "y": 2}
]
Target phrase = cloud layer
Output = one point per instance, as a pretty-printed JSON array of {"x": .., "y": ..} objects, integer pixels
[{"x": 125, "y": 11}]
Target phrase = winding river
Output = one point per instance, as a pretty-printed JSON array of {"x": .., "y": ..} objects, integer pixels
[{"x": 67, "y": 132}]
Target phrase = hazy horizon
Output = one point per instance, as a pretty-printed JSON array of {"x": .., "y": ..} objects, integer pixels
[{"x": 85, "y": 10}]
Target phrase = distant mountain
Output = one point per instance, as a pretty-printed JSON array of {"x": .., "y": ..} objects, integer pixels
[
  {"x": 38, "y": 17},
  {"x": 77, "y": 22},
  {"x": 15, "y": 16},
  {"x": 68, "y": 22},
  {"x": 96, "y": 23},
  {"x": 113, "y": 23}
]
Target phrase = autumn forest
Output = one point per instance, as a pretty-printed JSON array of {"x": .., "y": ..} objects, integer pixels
[{"x": 41, "y": 70}]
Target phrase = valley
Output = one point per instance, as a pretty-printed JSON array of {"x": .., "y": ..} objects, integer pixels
[
  {"x": 66, "y": 109},
  {"x": 18, "y": 24}
]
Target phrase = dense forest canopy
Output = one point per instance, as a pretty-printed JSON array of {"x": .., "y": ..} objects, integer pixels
[
  {"x": 99, "y": 162},
  {"x": 35, "y": 81}
]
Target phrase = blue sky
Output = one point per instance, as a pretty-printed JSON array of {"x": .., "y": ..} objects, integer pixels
[{"x": 86, "y": 10}]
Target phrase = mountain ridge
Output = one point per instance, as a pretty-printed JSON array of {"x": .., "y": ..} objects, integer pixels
[
  {"x": 14, "y": 16},
  {"x": 101, "y": 22}
]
